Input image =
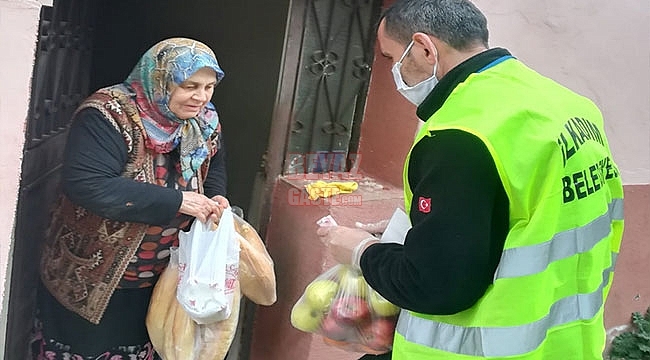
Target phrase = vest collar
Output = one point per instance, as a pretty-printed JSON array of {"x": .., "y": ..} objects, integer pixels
[{"x": 455, "y": 76}]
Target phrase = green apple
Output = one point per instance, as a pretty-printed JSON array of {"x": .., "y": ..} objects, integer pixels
[
  {"x": 319, "y": 293},
  {"x": 381, "y": 306},
  {"x": 341, "y": 270},
  {"x": 352, "y": 283},
  {"x": 305, "y": 318}
]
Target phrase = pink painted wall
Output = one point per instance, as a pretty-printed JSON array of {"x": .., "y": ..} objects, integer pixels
[
  {"x": 388, "y": 127},
  {"x": 631, "y": 289},
  {"x": 598, "y": 48},
  {"x": 300, "y": 257},
  {"x": 18, "y": 28}
]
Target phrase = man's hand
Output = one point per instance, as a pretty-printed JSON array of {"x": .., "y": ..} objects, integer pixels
[
  {"x": 375, "y": 228},
  {"x": 342, "y": 240}
]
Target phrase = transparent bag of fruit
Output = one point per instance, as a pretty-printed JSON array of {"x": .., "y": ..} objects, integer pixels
[
  {"x": 340, "y": 306},
  {"x": 208, "y": 264}
]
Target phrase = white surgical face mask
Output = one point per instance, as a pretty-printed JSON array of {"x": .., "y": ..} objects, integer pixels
[{"x": 418, "y": 92}]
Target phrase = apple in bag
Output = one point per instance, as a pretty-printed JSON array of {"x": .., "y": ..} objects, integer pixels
[
  {"x": 319, "y": 293},
  {"x": 378, "y": 334},
  {"x": 306, "y": 318},
  {"x": 332, "y": 329},
  {"x": 351, "y": 282},
  {"x": 350, "y": 310},
  {"x": 381, "y": 306}
]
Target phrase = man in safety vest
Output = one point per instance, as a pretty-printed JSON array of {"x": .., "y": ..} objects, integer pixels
[{"x": 515, "y": 202}]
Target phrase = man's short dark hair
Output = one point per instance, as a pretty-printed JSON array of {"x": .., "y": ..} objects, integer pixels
[{"x": 459, "y": 23}]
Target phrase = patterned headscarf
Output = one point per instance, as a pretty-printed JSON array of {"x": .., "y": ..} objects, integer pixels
[{"x": 161, "y": 68}]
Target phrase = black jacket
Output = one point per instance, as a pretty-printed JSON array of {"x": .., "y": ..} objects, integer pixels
[
  {"x": 451, "y": 252},
  {"x": 95, "y": 156}
]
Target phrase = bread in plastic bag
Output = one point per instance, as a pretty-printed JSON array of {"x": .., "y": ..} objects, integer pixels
[
  {"x": 256, "y": 268},
  {"x": 208, "y": 268},
  {"x": 340, "y": 306},
  {"x": 170, "y": 328},
  {"x": 214, "y": 339},
  {"x": 174, "y": 335}
]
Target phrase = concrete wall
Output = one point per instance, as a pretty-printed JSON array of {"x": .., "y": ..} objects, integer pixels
[
  {"x": 18, "y": 30},
  {"x": 598, "y": 48}
]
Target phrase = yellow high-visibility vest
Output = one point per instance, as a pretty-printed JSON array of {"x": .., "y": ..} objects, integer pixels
[{"x": 565, "y": 224}]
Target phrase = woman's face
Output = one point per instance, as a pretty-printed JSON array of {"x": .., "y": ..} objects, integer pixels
[{"x": 189, "y": 97}]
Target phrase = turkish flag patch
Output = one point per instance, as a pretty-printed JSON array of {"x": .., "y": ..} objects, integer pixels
[{"x": 424, "y": 204}]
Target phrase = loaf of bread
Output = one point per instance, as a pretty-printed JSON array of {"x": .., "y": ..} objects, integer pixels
[
  {"x": 256, "y": 268},
  {"x": 164, "y": 294},
  {"x": 182, "y": 331},
  {"x": 215, "y": 338},
  {"x": 174, "y": 335},
  {"x": 168, "y": 351},
  {"x": 170, "y": 327}
]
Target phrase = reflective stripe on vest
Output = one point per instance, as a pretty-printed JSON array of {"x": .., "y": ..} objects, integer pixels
[
  {"x": 503, "y": 341},
  {"x": 516, "y": 340},
  {"x": 533, "y": 259}
]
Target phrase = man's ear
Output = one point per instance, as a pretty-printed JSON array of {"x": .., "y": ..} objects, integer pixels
[{"x": 425, "y": 42}]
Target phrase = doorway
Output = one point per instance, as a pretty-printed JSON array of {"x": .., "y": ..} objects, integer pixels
[
  {"x": 279, "y": 57},
  {"x": 88, "y": 44}
]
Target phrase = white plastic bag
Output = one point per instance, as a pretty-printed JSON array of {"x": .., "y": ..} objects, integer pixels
[{"x": 208, "y": 263}]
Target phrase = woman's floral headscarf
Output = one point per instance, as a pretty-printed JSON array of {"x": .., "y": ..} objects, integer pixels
[{"x": 164, "y": 66}]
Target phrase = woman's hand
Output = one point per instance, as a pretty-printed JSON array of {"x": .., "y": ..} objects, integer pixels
[
  {"x": 223, "y": 203},
  {"x": 201, "y": 206},
  {"x": 221, "y": 200}
]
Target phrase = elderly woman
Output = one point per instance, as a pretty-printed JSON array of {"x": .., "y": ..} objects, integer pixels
[{"x": 143, "y": 159}]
